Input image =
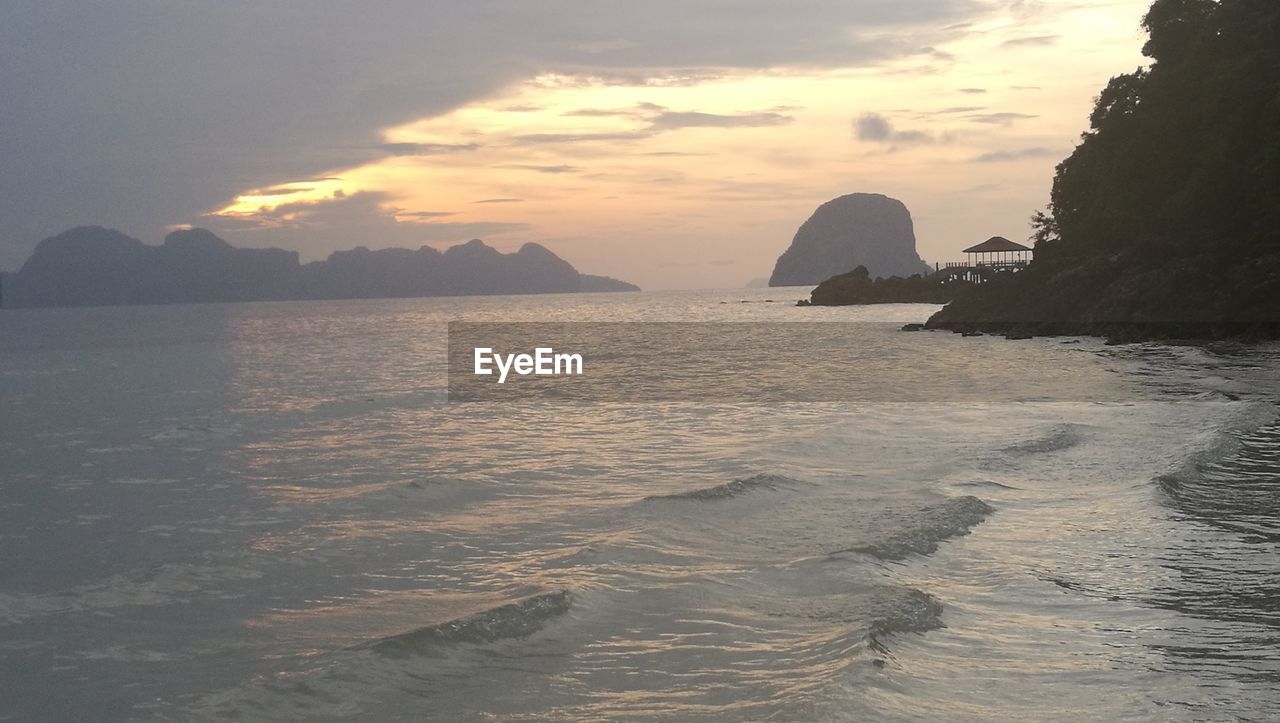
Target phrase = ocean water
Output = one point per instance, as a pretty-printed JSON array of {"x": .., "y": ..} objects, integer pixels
[{"x": 273, "y": 511}]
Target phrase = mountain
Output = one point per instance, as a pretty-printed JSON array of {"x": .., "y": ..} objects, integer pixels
[
  {"x": 590, "y": 283},
  {"x": 1165, "y": 220},
  {"x": 860, "y": 229},
  {"x": 95, "y": 266}
]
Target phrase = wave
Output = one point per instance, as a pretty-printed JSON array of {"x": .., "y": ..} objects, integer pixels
[
  {"x": 989, "y": 484},
  {"x": 513, "y": 620},
  {"x": 1062, "y": 437},
  {"x": 1232, "y": 484},
  {"x": 729, "y": 489},
  {"x": 914, "y": 611},
  {"x": 928, "y": 527}
]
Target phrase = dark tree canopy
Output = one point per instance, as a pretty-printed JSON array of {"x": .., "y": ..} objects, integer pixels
[
  {"x": 1168, "y": 210},
  {"x": 1186, "y": 152}
]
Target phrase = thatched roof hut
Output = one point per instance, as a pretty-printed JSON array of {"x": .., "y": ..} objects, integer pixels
[{"x": 996, "y": 244}]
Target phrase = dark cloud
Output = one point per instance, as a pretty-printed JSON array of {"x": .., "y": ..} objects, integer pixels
[
  {"x": 278, "y": 191},
  {"x": 694, "y": 119},
  {"x": 875, "y": 128},
  {"x": 140, "y": 114},
  {"x": 426, "y": 149},
  {"x": 1015, "y": 155},
  {"x": 499, "y": 200},
  {"x": 973, "y": 91}
]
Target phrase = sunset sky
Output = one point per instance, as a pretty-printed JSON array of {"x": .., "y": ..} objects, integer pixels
[{"x": 671, "y": 144}]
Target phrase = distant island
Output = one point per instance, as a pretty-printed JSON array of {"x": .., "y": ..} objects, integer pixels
[
  {"x": 859, "y": 229},
  {"x": 1165, "y": 221},
  {"x": 95, "y": 266}
]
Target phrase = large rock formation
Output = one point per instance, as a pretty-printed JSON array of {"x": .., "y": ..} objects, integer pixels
[
  {"x": 94, "y": 266},
  {"x": 860, "y": 229}
]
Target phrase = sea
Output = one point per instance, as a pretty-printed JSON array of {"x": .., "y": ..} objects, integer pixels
[{"x": 277, "y": 511}]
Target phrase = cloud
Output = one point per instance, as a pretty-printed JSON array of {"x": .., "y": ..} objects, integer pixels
[
  {"x": 599, "y": 113},
  {"x": 1035, "y": 41},
  {"x": 660, "y": 118},
  {"x": 673, "y": 154},
  {"x": 426, "y": 149},
  {"x": 693, "y": 119},
  {"x": 973, "y": 91},
  {"x": 604, "y": 46},
  {"x": 875, "y": 128},
  {"x": 541, "y": 138},
  {"x": 954, "y": 110},
  {"x": 278, "y": 191},
  {"x": 1015, "y": 155},
  {"x": 1000, "y": 119},
  {"x": 185, "y": 105},
  {"x": 542, "y": 169},
  {"x": 361, "y": 219},
  {"x": 499, "y": 200}
]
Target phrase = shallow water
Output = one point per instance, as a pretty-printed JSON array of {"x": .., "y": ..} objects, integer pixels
[{"x": 271, "y": 510}]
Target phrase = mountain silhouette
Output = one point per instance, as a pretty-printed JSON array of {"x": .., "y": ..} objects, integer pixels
[{"x": 95, "y": 266}]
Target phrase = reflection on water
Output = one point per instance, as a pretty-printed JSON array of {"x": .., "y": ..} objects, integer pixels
[{"x": 270, "y": 510}]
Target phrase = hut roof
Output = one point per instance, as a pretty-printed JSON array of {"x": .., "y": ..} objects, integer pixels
[{"x": 996, "y": 243}]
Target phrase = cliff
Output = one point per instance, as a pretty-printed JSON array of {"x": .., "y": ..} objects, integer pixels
[
  {"x": 95, "y": 266},
  {"x": 860, "y": 229}
]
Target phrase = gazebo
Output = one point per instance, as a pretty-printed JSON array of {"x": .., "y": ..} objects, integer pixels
[{"x": 998, "y": 252}]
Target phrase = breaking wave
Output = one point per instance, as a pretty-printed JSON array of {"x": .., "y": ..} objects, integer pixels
[
  {"x": 729, "y": 489},
  {"x": 914, "y": 611},
  {"x": 1063, "y": 437},
  {"x": 513, "y": 620},
  {"x": 925, "y": 529}
]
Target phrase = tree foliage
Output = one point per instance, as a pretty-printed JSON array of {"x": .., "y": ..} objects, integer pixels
[
  {"x": 1165, "y": 220},
  {"x": 1183, "y": 154}
]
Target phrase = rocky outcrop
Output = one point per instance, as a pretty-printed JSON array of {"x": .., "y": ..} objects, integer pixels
[
  {"x": 1126, "y": 297},
  {"x": 860, "y": 229},
  {"x": 857, "y": 287},
  {"x": 95, "y": 266}
]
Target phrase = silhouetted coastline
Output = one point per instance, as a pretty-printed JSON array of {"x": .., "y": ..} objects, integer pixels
[{"x": 95, "y": 266}]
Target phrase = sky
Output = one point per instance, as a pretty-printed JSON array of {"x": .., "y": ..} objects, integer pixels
[{"x": 670, "y": 143}]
